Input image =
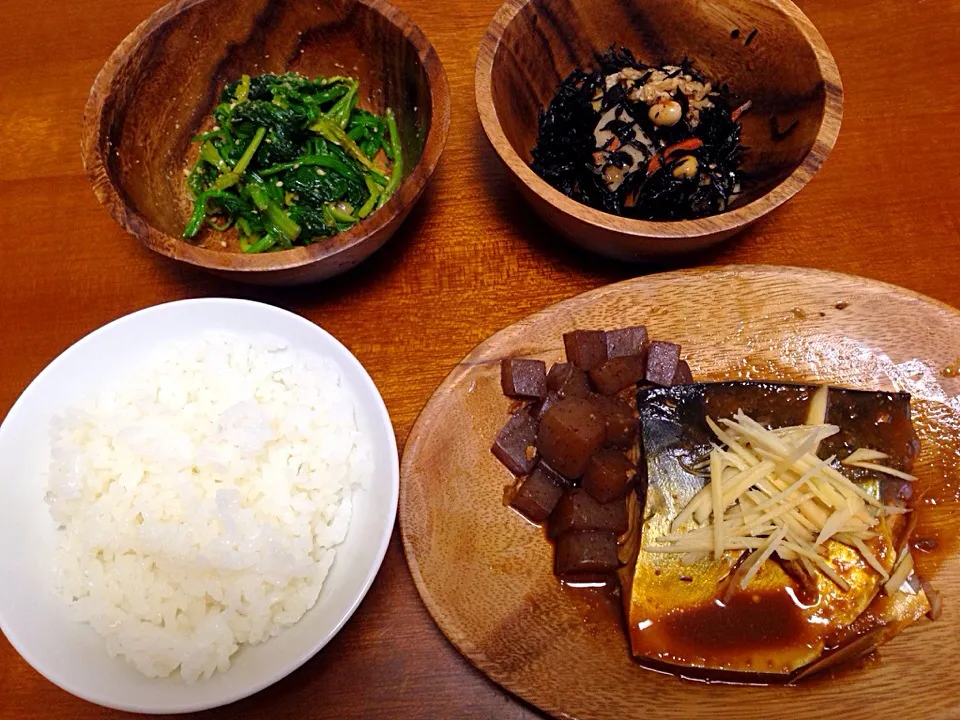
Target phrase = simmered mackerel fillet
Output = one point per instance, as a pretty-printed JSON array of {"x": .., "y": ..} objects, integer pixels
[{"x": 692, "y": 610}]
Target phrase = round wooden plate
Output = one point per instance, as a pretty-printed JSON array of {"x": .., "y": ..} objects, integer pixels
[{"x": 485, "y": 573}]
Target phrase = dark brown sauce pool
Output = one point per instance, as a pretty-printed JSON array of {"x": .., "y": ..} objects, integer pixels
[
  {"x": 937, "y": 489},
  {"x": 748, "y": 621},
  {"x": 742, "y": 627},
  {"x": 751, "y": 638}
]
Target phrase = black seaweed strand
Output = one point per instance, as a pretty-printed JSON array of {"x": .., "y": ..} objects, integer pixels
[{"x": 566, "y": 155}]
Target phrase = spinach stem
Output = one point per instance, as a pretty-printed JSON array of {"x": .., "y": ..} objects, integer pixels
[
  {"x": 262, "y": 245},
  {"x": 337, "y": 136},
  {"x": 210, "y": 154},
  {"x": 233, "y": 177},
  {"x": 327, "y": 161},
  {"x": 282, "y": 221},
  {"x": 340, "y": 113},
  {"x": 371, "y": 202},
  {"x": 396, "y": 173},
  {"x": 341, "y": 215},
  {"x": 200, "y": 210},
  {"x": 368, "y": 206},
  {"x": 243, "y": 90}
]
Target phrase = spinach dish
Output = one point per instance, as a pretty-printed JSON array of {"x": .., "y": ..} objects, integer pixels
[{"x": 291, "y": 160}]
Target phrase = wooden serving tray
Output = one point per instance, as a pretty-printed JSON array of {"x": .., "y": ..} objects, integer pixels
[{"x": 485, "y": 573}]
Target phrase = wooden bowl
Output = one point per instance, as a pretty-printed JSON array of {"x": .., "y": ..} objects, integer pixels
[
  {"x": 785, "y": 69},
  {"x": 161, "y": 83}
]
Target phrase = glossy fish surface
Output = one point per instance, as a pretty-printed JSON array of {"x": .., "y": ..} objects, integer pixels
[{"x": 692, "y": 615}]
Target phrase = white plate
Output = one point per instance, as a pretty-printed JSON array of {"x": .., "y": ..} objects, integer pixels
[{"x": 37, "y": 622}]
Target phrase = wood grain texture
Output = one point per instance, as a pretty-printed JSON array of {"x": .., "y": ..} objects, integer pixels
[
  {"x": 469, "y": 261},
  {"x": 777, "y": 60},
  {"x": 486, "y": 574},
  {"x": 157, "y": 89}
]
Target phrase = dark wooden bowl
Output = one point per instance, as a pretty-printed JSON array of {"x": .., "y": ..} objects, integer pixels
[
  {"x": 785, "y": 69},
  {"x": 161, "y": 83}
]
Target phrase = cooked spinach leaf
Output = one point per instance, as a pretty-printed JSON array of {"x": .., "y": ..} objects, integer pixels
[{"x": 291, "y": 160}]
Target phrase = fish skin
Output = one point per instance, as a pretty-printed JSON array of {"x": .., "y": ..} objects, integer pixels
[{"x": 672, "y": 609}]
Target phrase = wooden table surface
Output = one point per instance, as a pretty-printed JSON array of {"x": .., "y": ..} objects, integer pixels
[{"x": 470, "y": 260}]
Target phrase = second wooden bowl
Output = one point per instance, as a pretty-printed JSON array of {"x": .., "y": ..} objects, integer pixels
[
  {"x": 163, "y": 80},
  {"x": 766, "y": 50}
]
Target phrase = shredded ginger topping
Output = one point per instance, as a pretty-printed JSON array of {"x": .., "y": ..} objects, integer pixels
[{"x": 769, "y": 494}]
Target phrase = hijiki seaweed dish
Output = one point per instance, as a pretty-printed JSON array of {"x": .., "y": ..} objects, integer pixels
[{"x": 642, "y": 141}]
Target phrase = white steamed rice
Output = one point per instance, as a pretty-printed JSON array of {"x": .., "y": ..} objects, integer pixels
[{"x": 200, "y": 500}]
